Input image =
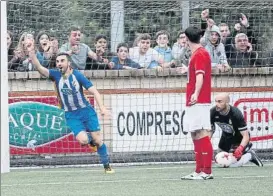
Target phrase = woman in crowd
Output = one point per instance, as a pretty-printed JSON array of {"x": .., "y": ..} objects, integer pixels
[
  {"x": 47, "y": 49},
  {"x": 20, "y": 60}
]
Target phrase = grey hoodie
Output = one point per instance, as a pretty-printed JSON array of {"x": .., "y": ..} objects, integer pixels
[{"x": 217, "y": 52}]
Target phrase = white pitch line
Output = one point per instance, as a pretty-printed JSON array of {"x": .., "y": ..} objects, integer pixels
[
  {"x": 242, "y": 177},
  {"x": 80, "y": 169},
  {"x": 123, "y": 181},
  {"x": 98, "y": 165},
  {"x": 97, "y": 170}
]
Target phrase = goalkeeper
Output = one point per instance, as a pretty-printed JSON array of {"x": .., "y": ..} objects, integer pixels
[
  {"x": 79, "y": 114},
  {"x": 235, "y": 137}
]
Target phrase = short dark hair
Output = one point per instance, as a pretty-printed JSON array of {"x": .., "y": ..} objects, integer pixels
[
  {"x": 39, "y": 35},
  {"x": 98, "y": 37},
  {"x": 65, "y": 54},
  {"x": 73, "y": 28},
  {"x": 180, "y": 32},
  {"x": 122, "y": 45},
  {"x": 193, "y": 34}
]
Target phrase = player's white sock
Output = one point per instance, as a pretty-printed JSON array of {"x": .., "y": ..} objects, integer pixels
[{"x": 244, "y": 159}]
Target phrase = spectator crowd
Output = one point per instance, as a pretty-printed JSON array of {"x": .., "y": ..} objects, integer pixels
[{"x": 236, "y": 49}]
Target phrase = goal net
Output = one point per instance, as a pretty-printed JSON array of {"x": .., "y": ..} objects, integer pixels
[{"x": 147, "y": 106}]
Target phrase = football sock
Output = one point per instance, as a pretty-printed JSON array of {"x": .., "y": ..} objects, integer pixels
[
  {"x": 243, "y": 160},
  {"x": 102, "y": 151},
  {"x": 206, "y": 152},
  {"x": 197, "y": 156}
]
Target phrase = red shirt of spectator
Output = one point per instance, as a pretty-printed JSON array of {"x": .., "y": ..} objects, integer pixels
[{"x": 200, "y": 63}]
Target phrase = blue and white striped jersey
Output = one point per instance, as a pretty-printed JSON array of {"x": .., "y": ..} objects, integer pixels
[{"x": 70, "y": 90}]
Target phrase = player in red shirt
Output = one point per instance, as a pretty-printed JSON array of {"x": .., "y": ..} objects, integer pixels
[{"x": 198, "y": 104}]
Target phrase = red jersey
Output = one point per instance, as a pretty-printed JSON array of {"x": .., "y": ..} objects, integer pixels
[{"x": 200, "y": 63}]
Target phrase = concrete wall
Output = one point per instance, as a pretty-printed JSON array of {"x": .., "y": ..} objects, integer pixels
[{"x": 138, "y": 79}]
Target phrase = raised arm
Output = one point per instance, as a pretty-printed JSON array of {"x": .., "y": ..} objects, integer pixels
[
  {"x": 243, "y": 26},
  {"x": 32, "y": 56},
  {"x": 205, "y": 39}
]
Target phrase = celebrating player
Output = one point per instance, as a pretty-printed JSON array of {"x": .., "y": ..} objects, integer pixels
[
  {"x": 79, "y": 114},
  {"x": 235, "y": 136},
  {"x": 198, "y": 104}
]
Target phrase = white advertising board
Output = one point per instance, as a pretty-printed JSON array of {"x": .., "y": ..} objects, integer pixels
[{"x": 153, "y": 122}]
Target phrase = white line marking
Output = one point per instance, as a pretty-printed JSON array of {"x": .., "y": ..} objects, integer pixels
[
  {"x": 90, "y": 168},
  {"x": 122, "y": 181},
  {"x": 98, "y": 165},
  {"x": 242, "y": 177},
  {"x": 76, "y": 170}
]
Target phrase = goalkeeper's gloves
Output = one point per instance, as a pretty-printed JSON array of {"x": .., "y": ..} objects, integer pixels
[{"x": 238, "y": 152}]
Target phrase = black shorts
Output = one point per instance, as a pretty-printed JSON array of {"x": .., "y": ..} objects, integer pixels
[{"x": 227, "y": 145}]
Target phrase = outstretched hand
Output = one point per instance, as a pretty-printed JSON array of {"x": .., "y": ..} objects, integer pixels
[
  {"x": 100, "y": 50},
  {"x": 223, "y": 67},
  {"x": 210, "y": 23},
  {"x": 244, "y": 20},
  {"x": 182, "y": 70}
]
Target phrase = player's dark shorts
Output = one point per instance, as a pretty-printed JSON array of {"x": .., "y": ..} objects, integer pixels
[
  {"x": 226, "y": 145},
  {"x": 84, "y": 119}
]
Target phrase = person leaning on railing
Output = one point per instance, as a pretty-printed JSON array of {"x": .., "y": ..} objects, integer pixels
[
  {"x": 212, "y": 42},
  {"x": 101, "y": 49},
  {"x": 76, "y": 50},
  {"x": 242, "y": 54},
  {"x": 20, "y": 61},
  {"x": 122, "y": 60}
]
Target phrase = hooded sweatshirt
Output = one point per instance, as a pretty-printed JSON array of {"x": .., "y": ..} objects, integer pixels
[{"x": 216, "y": 51}]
